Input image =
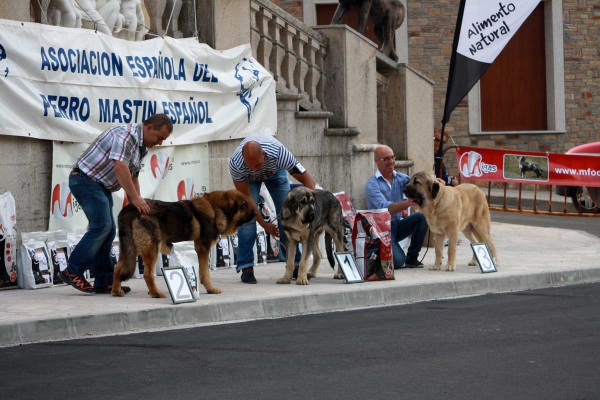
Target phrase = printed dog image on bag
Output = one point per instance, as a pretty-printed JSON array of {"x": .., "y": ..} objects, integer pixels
[
  {"x": 348, "y": 217},
  {"x": 373, "y": 244}
]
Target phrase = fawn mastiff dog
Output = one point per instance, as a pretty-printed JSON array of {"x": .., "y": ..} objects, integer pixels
[
  {"x": 201, "y": 219},
  {"x": 305, "y": 216},
  {"x": 449, "y": 210}
]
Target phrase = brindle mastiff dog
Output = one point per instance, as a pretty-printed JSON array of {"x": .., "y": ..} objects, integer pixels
[
  {"x": 201, "y": 219},
  {"x": 305, "y": 215},
  {"x": 449, "y": 210}
]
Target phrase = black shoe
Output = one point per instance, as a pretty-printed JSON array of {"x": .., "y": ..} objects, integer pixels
[
  {"x": 78, "y": 282},
  {"x": 413, "y": 262},
  {"x": 108, "y": 289},
  {"x": 248, "y": 275}
]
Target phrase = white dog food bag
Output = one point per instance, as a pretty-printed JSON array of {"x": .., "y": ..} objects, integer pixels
[
  {"x": 220, "y": 254},
  {"x": 260, "y": 247},
  {"x": 8, "y": 242},
  {"x": 34, "y": 265},
  {"x": 184, "y": 255},
  {"x": 73, "y": 239},
  {"x": 59, "y": 253},
  {"x": 233, "y": 245}
]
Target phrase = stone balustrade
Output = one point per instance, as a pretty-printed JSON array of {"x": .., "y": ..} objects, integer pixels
[{"x": 291, "y": 51}]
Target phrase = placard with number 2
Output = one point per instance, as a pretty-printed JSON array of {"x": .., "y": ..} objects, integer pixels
[{"x": 178, "y": 285}]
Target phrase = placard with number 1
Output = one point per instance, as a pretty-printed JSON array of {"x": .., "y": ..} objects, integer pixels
[{"x": 348, "y": 265}]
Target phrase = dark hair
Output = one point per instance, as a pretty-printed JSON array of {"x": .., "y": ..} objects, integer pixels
[{"x": 158, "y": 121}]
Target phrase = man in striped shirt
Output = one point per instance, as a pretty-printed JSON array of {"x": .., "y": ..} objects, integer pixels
[
  {"x": 111, "y": 162},
  {"x": 260, "y": 159}
]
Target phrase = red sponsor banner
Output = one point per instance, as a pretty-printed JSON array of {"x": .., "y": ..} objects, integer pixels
[{"x": 481, "y": 164}]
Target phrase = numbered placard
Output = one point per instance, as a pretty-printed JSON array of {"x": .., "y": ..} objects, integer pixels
[
  {"x": 484, "y": 258},
  {"x": 349, "y": 269},
  {"x": 178, "y": 285}
]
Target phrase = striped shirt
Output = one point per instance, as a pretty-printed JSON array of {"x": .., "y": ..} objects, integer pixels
[
  {"x": 123, "y": 143},
  {"x": 277, "y": 157},
  {"x": 380, "y": 194}
]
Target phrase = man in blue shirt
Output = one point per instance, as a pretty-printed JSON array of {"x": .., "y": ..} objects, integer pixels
[{"x": 384, "y": 190}]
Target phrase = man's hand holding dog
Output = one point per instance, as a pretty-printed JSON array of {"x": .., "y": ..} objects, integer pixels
[{"x": 131, "y": 187}]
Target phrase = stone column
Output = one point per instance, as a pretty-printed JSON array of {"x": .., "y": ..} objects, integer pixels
[
  {"x": 224, "y": 24},
  {"x": 351, "y": 92}
]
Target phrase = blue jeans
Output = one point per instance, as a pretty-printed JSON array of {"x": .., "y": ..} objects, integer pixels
[
  {"x": 93, "y": 250},
  {"x": 278, "y": 186},
  {"x": 401, "y": 229}
]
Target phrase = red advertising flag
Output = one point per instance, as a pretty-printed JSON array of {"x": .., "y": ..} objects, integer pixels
[{"x": 527, "y": 167}]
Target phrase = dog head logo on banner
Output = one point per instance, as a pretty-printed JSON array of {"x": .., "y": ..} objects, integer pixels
[
  {"x": 471, "y": 165},
  {"x": 185, "y": 189},
  {"x": 62, "y": 201},
  {"x": 248, "y": 75},
  {"x": 2, "y": 52},
  {"x": 159, "y": 164}
]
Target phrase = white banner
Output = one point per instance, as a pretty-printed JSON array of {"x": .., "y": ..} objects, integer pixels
[
  {"x": 487, "y": 26},
  {"x": 72, "y": 84},
  {"x": 169, "y": 173}
]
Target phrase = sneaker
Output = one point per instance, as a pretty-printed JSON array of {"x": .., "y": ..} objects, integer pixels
[
  {"x": 108, "y": 289},
  {"x": 78, "y": 282},
  {"x": 413, "y": 263},
  {"x": 248, "y": 275}
]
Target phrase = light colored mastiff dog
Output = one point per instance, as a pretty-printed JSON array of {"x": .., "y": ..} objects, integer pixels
[{"x": 449, "y": 210}]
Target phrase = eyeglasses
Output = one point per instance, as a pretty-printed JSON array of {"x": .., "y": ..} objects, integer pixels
[{"x": 386, "y": 159}]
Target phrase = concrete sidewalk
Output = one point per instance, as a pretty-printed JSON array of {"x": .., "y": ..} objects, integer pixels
[{"x": 530, "y": 258}]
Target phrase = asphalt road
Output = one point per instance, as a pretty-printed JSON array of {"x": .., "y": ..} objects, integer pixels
[
  {"x": 540, "y": 344},
  {"x": 587, "y": 224}
]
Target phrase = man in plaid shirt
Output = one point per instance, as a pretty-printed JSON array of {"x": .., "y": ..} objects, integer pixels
[{"x": 113, "y": 161}]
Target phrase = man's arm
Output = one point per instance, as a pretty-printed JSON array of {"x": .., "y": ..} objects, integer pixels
[
  {"x": 126, "y": 182},
  {"x": 377, "y": 198},
  {"x": 245, "y": 189},
  {"x": 136, "y": 184},
  {"x": 306, "y": 179}
]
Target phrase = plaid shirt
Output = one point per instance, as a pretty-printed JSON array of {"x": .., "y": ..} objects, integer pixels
[{"x": 120, "y": 143}]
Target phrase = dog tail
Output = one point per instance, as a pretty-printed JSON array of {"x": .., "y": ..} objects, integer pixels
[
  {"x": 329, "y": 250},
  {"x": 127, "y": 252}
]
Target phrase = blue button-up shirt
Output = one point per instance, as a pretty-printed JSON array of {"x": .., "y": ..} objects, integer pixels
[{"x": 380, "y": 194}]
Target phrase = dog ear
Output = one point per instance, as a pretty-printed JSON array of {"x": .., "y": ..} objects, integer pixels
[
  {"x": 435, "y": 188},
  {"x": 285, "y": 212}
]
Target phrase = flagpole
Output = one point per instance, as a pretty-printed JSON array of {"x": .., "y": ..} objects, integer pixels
[{"x": 438, "y": 162}]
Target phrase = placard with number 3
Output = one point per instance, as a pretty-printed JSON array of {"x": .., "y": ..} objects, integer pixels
[
  {"x": 348, "y": 265},
  {"x": 484, "y": 259},
  {"x": 178, "y": 285}
]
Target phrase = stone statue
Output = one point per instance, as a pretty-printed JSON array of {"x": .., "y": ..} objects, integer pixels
[
  {"x": 109, "y": 10},
  {"x": 91, "y": 18},
  {"x": 133, "y": 20},
  {"x": 387, "y": 16},
  {"x": 63, "y": 13}
]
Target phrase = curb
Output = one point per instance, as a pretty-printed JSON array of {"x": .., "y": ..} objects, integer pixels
[{"x": 186, "y": 316}]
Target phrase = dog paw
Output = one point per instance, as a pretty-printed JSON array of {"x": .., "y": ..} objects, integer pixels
[
  {"x": 302, "y": 281},
  {"x": 119, "y": 293},
  {"x": 311, "y": 274},
  {"x": 213, "y": 290},
  {"x": 284, "y": 281},
  {"x": 472, "y": 263},
  {"x": 158, "y": 295},
  {"x": 435, "y": 268},
  {"x": 450, "y": 268},
  {"x": 338, "y": 276}
]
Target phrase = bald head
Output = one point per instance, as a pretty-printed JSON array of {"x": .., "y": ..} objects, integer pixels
[
  {"x": 383, "y": 151},
  {"x": 254, "y": 156}
]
